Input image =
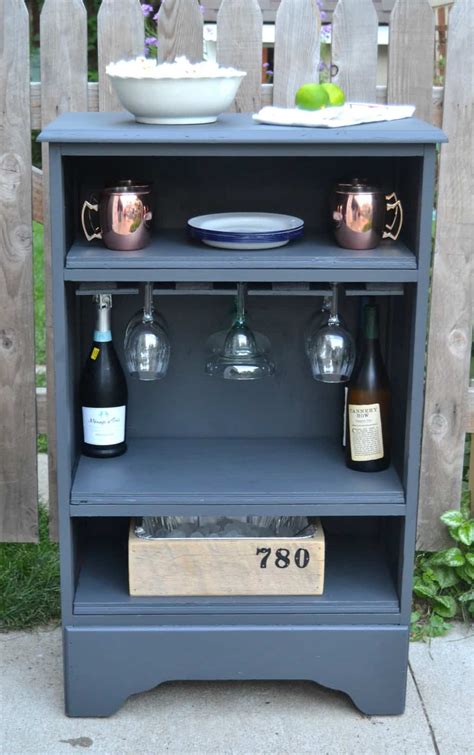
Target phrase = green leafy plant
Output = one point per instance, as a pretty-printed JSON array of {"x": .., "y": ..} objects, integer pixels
[{"x": 444, "y": 581}]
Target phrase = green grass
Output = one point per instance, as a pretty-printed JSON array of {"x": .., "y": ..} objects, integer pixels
[
  {"x": 41, "y": 380},
  {"x": 29, "y": 581},
  {"x": 38, "y": 273},
  {"x": 42, "y": 443}
]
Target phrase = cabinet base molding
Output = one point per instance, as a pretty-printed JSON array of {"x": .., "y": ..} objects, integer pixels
[{"x": 105, "y": 665}]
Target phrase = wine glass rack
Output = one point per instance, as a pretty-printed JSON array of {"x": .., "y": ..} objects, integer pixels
[{"x": 201, "y": 446}]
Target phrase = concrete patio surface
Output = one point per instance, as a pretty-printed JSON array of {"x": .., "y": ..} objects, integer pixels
[{"x": 238, "y": 718}]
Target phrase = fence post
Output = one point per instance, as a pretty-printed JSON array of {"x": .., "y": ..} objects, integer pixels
[
  {"x": 449, "y": 345},
  {"x": 297, "y": 49},
  {"x": 239, "y": 44},
  {"x": 180, "y": 30},
  {"x": 63, "y": 55},
  {"x": 120, "y": 34},
  {"x": 354, "y": 49},
  {"x": 18, "y": 475},
  {"x": 411, "y": 56}
]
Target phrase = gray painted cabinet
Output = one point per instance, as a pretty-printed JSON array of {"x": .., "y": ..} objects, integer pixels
[{"x": 201, "y": 446}]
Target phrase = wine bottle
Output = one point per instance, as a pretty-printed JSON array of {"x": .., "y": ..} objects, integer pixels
[
  {"x": 103, "y": 391},
  {"x": 368, "y": 403}
]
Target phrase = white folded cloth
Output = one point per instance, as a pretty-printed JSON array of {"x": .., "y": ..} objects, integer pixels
[{"x": 349, "y": 114}]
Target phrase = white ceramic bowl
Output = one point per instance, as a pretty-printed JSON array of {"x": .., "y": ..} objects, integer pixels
[{"x": 175, "y": 100}]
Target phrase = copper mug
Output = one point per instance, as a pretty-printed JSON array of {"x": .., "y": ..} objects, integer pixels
[
  {"x": 124, "y": 216},
  {"x": 359, "y": 215}
]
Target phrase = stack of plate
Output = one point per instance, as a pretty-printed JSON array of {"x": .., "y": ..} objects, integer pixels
[{"x": 246, "y": 230}]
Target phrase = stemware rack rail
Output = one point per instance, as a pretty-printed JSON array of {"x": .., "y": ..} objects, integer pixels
[{"x": 272, "y": 289}]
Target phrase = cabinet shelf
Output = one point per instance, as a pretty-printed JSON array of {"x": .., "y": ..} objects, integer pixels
[
  {"x": 358, "y": 580},
  {"x": 172, "y": 256},
  {"x": 228, "y": 475}
]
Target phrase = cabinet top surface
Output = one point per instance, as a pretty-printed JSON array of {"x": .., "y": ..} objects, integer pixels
[{"x": 230, "y": 128}]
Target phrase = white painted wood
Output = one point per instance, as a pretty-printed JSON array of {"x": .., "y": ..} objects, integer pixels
[
  {"x": 63, "y": 58},
  {"x": 18, "y": 475},
  {"x": 180, "y": 30},
  {"x": 223, "y": 566},
  {"x": 354, "y": 49},
  {"x": 120, "y": 36},
  {"x": 411, "y": 56},
  {"x": 450, "y": 335},
  {"x": 239, "y": 44},
  {"x": 297, "y": 49}
]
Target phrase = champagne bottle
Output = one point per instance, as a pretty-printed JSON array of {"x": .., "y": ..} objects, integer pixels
[
  {"x": 103, "y": 391},
  {"x": 368, "y": 403}
]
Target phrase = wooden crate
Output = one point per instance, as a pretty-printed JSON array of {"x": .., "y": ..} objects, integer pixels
[{"x": 227, "y": 566}]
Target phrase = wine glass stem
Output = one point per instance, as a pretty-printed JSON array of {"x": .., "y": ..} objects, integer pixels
[
  {"x": 241, "y": 291},
  {"x": 148, "y": 306},
  {"x": 334, "y": 301}
]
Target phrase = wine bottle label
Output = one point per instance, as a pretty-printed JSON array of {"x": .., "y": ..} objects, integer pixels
[
  {"x": 365, "y": 432},
  {"x": 103, "y": 426}
]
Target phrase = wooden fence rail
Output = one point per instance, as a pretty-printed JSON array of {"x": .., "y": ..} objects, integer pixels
[{"x": 449, "y": 411}]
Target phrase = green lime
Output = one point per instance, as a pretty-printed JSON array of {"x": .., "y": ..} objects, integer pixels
[
  {"x": 311, "y": 97},
  {"x": 335, "y": 94}
]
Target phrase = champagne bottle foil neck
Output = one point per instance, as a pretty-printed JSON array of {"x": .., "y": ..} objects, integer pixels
[{"x": 102, "y": 332}]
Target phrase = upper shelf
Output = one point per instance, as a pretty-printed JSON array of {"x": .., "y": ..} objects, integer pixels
[
  {"x": 231, "y": 129},
  {"x": 312, "y": 258}
]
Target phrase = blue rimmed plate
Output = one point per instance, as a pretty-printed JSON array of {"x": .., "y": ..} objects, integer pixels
[{"x": 246, "y": 230}]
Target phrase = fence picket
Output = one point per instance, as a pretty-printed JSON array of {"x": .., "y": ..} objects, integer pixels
[
  {"x": 63, "y": 57},
  {"x": 411, "y": 56},
  {"x": 239, "y": 44},
  {"x": 354, "y": 49},
  {"x": 180, "y": 30},
  {"x": 297, "y": 48},
  {"x": 449, "y": 344},
  {"x": 120, "y": 35},
  {"x": 18, "y": 476}
]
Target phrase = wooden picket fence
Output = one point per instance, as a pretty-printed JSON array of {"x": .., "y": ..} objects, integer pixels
[{"x": 449, "y": 405}]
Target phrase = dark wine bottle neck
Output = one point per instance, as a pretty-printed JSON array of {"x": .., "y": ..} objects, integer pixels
[
  {"x": 103, "y": 332},
  {"x": 371, "y": 326}
]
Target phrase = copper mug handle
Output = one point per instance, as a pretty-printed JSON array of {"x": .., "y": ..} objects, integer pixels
[
  {"x": 396, "y": 205},
  {"x": 96, "y": 233}
]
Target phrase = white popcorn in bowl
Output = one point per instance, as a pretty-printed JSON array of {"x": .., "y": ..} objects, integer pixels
[{"x": 181, "y": 68}]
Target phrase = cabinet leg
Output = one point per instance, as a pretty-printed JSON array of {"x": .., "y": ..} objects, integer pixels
[{"x": 369, "y": 664}]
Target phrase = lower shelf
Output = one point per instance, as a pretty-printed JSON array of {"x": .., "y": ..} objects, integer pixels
[
  {"x": 206, "y": 474},
  {"x": 358, "y": 581}
]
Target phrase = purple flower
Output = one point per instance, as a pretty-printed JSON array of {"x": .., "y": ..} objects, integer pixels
[
  {"x": 265, "y": 65},
  {"x": 155, "y": 17},
  {"x": 326, "y": 33},
  {"x": 151, "y": 41},
  {"x": 147, "y": 9},
  {"x": 322, "y": 12},
  {"x": 269, "y": 73}
]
